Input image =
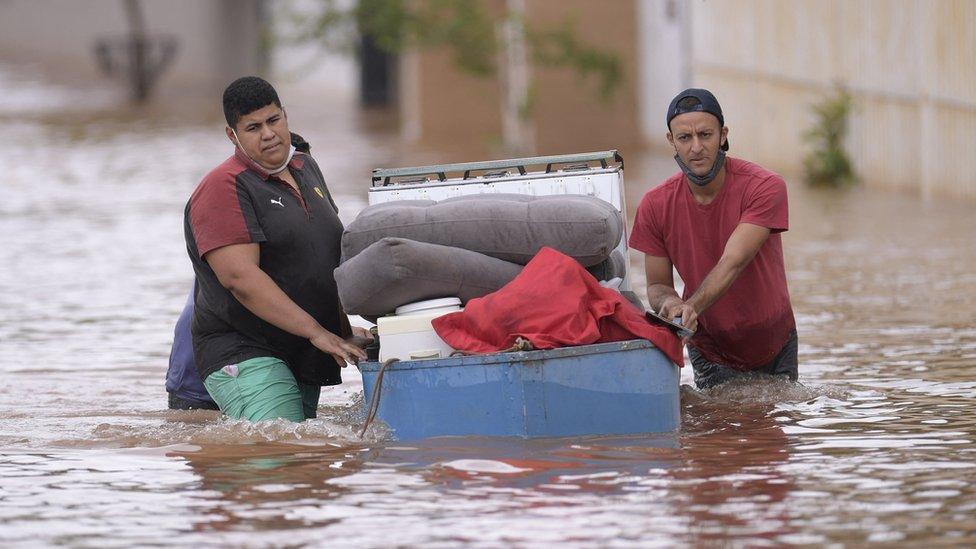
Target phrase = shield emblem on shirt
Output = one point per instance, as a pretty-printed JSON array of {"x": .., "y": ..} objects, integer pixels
[{"x": 318, "y": 191}]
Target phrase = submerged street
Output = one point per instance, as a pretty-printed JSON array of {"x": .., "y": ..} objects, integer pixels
[{"x": 877, "y": 443}]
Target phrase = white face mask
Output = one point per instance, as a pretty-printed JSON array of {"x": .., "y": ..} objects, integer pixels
[{"x": 279, "y": 169}]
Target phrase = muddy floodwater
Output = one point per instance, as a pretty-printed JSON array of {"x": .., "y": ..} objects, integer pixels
[{"x": 876, "y": 444}]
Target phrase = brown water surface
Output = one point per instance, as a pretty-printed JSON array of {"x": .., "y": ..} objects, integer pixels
[{"x": 875, "y": 445}]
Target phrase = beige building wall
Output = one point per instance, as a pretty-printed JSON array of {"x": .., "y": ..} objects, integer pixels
[
  {"x": 908, "y": 63},
  {"x": 441, "y": 105},
  {"x": 447, "y": 108},
  {"x": 568, "y": 115}
]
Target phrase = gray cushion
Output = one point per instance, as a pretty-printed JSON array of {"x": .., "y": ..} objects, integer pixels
[
  {"x": 612, "y": 267},
  {"x": 512, "y": 227},
  {"x": 396, "y": 271}
]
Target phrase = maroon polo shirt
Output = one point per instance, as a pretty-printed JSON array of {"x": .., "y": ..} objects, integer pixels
[{"x": 298, "y": 233}]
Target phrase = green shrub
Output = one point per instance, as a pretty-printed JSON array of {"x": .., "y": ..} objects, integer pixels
[{"x": 828, "y": 164}]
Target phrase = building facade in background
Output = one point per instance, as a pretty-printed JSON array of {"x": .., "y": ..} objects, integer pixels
[
  {"x": 907, "y": 63},
  {"x": 442, "y": 105}
]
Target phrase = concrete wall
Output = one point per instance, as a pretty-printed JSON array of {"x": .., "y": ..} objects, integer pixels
[
  {"x": 218, "y": 39},
  {"x": 449, "y": 108},
  {"x": 568, "y": 114},
  {"x": 441, "y": 105},
  {"x": 908, "y": 63}
]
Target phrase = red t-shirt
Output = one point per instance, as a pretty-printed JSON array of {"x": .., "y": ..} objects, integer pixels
[{"x": 748, "y": 325}]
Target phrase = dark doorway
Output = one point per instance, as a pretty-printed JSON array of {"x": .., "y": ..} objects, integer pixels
[{"x": 377, "y": 74}]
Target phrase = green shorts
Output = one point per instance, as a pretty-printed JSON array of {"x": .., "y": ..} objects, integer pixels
[{"x": 262, "y": 388}]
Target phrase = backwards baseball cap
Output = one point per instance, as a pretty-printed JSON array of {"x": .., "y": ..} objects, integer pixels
[{"x": 706, "y": 103}]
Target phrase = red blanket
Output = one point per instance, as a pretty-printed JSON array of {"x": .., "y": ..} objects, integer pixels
[{"x": 553, "y": 303}]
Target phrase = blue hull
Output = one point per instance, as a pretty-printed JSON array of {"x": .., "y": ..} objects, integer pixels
[{"x": 627, "y": 387}]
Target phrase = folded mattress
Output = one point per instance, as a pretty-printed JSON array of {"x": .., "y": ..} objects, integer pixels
[{"x": 509, "y": 227}]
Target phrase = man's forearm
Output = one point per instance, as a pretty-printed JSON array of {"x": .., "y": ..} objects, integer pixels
[
  {"x": 716, "y": 283},
  {"x": 262, "y": 296},
  {"x": 742, "y": 246}
]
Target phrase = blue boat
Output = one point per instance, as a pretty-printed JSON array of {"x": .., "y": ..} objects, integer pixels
[{"x": 621, "y": 388}]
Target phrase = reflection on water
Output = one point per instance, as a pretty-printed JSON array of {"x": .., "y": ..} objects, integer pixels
[{"x": 876, "y": 445}]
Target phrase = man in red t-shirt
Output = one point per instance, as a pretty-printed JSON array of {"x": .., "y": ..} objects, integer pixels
[{"x": 718, "y": 223}]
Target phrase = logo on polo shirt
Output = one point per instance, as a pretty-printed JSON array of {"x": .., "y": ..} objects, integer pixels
[
  {"x": 318, "y": 191},
  {"x": 278, "y": 202}
]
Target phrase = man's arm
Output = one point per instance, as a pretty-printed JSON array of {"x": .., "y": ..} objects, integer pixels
[
  {"x": 660, "y": 281},
  {"x": 741, "y": 247},
  {"x": 237, "y": 268},
  {"x": 661, "y": 294}
]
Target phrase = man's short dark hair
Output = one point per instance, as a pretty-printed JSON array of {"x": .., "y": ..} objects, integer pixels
[{"x": 246, "y": 95}]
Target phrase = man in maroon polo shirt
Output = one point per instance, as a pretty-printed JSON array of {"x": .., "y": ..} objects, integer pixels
[
  {"x": 263, "y": 235},
  {"x": 718, "y": 223}
]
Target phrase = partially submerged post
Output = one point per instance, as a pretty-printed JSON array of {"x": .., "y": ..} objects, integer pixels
[{"x": 138, "y": 57}]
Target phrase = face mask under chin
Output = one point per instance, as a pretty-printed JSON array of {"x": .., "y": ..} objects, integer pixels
[
  {"x": 702, "y": 180},
  {"x": 279, "y": 169}
]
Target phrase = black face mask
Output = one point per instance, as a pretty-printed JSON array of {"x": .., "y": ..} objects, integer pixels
[{"x": 702, "y": 180}]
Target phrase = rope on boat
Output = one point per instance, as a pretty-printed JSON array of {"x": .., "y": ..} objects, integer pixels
[
  {"x": 374, "y": 403},
  {"x": 521, "y": 344}
]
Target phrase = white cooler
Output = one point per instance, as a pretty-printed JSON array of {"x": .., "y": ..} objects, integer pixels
[{"x": 408, "y": 335}]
